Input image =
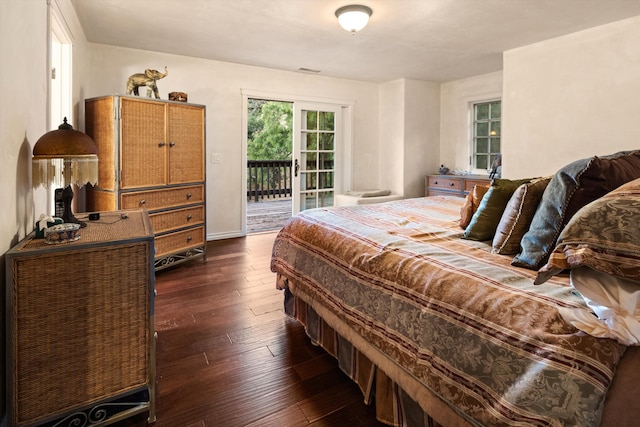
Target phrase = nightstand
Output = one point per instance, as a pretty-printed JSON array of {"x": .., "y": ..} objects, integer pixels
[{"x": 79, "y": 316}]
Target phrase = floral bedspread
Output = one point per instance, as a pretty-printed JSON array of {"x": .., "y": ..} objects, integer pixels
[{"x": 462, "y": 321}]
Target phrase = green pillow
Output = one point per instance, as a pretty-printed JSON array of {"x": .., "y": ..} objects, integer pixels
[{"x": 485, "y": 220}]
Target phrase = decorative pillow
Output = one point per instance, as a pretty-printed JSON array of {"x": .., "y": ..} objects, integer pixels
[
  {"x": 604, "y": 236},
  {"x": 471, "y": 204},
  {"x": 570, "y": 188},
  {"x": 466, "y": 211},
  {"x": 485, "y": 220},
  {"x": 517, "y": 216}
]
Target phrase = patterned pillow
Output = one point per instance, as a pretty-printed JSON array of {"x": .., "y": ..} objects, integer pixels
[
  {"x": 604, "y": 235},
  {"x": 485, "y": 220},
  {"x": 471, "y": 204},
  {"x": 517, "y": 216},
  {"x": 572, "y": 187}
]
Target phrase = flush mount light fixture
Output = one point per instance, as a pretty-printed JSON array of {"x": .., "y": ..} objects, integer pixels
[{"x": 353, "y": 17}]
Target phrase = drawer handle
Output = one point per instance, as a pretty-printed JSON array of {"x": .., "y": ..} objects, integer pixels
[
  {"x": 452, "y": 184},
  {"x": 143, "y": 201},
  {"x": 188, "y": 195},
  {"x": 189, "y": 239},
  {"x": 172, "y": 144},
  {"x": 162, "y": 144},
  {"x": 435, "y": 183},
  {"x": 189, "y": 217}
]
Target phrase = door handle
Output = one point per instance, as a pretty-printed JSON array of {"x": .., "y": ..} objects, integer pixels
[{"x": 296, "y": 168}]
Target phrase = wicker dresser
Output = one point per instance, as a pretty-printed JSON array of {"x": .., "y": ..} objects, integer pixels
[
  {"x": 80, "y": 341},
  {"x": 152, "y": 156}
]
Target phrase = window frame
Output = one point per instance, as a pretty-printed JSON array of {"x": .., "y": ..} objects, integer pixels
[
  {"x": 59, "y": 79},
  {"x": 60, "y": 62},
  {"x": 473, "y": 136}
]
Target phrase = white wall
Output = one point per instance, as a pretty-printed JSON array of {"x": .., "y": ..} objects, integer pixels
[
  {"x": 23, "y": 36},
  {"x": 421, "y": 136},
  {"x": 392, "y": 131},
  {"x": 571, "y": 97},
  {"x": 22, "y": 111},
  {"x": 218, "y": 85},
  {"x": 456, "y": 99},
  {"x": 409, "y": 135}
]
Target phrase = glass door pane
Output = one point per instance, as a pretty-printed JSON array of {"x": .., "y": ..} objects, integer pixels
[{"x": 316, "y": 152}]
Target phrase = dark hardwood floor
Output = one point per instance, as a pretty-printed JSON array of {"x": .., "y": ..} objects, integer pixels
[{"x": 228, "y": 356}]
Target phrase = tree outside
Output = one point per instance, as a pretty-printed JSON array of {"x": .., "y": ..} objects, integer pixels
[
  {"x": 269, "y": 148},
  {"x": 270, "y": 130}
]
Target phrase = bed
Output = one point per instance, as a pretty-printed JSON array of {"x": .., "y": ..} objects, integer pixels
[{"x": 441, "y": 329}]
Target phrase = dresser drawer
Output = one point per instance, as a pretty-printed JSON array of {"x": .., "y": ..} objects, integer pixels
[
  {"x": 470, "y": 183},
  {"x": 175, "y": 219},
  {"x": 162, "y": 198},
  {"x": 433, "y": 192},
  {"x": 179, "y": 241},
  {"x": 444, "y": 183}
]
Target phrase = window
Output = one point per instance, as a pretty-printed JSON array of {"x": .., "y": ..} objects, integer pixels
[{"x": 486, "y": 134}]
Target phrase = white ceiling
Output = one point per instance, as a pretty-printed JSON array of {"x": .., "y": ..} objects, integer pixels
[{"x": 433, "y": 40}]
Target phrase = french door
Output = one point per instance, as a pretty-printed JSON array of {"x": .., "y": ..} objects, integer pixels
[{"x": 317, "y": 142}]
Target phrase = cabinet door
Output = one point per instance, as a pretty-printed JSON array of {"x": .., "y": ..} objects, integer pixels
[
  {"x": 143, "y": 144},
  {"x": 186, "y": 143}
]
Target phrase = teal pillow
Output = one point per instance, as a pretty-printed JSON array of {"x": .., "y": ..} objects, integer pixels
[
  {"x": 485, "y": 220},
  {"x": 572, "y": 187}
]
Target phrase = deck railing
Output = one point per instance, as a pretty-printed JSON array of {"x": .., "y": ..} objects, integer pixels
[{"x": 268, "y": 178}]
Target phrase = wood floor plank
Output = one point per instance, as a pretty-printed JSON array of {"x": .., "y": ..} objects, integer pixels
[
  {"x": 289, "y": 417},
  {"x": 227, "y": 355},
  {"x": 315, "y": 366}
]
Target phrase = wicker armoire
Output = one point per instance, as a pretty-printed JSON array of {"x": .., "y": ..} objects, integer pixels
[{"x": 152, "y": 156}]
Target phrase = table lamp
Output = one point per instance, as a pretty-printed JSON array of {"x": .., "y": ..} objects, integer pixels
[{"x": 64, "y": 157}]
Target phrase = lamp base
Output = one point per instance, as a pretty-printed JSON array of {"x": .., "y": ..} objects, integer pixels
[{"x": 67, "y": 215}]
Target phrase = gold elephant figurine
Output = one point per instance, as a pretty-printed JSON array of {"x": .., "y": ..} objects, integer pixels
[{"x": 148, "y": 79}]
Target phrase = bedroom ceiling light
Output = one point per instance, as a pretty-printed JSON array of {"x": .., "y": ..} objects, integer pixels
[{"x": 353, "y": 17}]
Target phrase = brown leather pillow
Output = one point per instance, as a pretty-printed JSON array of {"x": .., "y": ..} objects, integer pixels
[
  {"x": 517, "y": 216},
  {"x": 471, "y": 204}
]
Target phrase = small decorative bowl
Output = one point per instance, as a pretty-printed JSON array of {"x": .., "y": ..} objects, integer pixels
[
  {"x": 62, "y": 233},
  {"x": 40, "y": 231}
]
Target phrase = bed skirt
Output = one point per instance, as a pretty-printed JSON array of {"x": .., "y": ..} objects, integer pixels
[
  {"x": 397, "y": 406},
  {"x": 394, "y": 406}
]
